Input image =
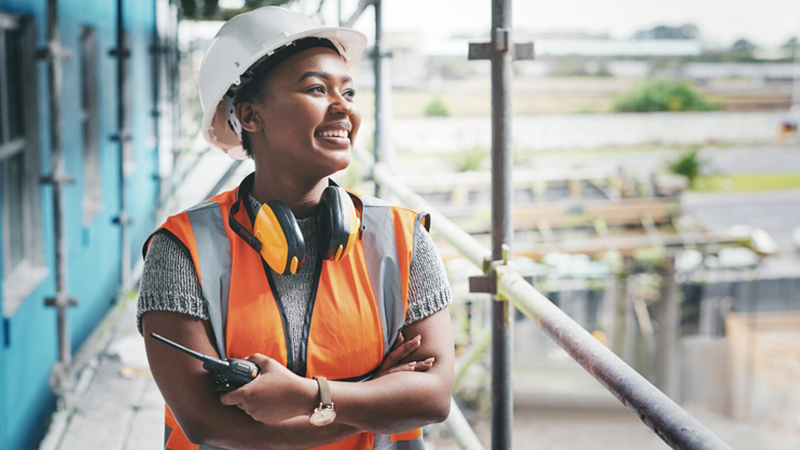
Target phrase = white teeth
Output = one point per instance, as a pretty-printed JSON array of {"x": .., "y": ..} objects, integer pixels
[{"x": 335, "y": 133}]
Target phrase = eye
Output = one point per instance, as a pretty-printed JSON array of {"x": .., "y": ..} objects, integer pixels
[
  {"x": 319, "y": 89},
  {"x": 349, "y": 93}
]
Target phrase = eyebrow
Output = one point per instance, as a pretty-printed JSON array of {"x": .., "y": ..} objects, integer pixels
[{"x": 324, "y": 76}]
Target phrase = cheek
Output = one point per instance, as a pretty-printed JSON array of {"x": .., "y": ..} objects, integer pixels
[{"x": 355, "y": 119}]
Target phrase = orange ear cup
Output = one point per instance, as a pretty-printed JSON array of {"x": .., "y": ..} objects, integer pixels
[{"x": 282, "y": 243}]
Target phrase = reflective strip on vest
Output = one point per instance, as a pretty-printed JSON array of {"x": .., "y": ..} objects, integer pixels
[
  {"x": 386, "y": 442},
  {"x": 214, "y": 257},
  {"x": 380, "y": 251}
]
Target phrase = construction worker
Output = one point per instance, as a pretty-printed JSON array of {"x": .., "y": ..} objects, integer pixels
[{"x": 340, "y": 300}]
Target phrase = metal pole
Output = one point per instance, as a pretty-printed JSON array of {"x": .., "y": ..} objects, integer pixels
[
  {"x": 59, "y": 382},
  {"x": 668, "y": 420},
  {"x": 665, "y": 372},
  {"x": 57, "y": 162},
  {"x": 124, "y": 139},
  {"x": 377, "y": 62},
  {"x": 502, "y": 226}
]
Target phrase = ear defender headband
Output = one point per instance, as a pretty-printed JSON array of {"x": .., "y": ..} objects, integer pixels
[{"x": 277, "y": 236}]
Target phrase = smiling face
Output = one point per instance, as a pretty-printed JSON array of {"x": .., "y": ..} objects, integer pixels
[{"x": 306, "y": 121}]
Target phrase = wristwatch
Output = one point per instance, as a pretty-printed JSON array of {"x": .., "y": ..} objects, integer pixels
[{"x": 324, "y": 414}]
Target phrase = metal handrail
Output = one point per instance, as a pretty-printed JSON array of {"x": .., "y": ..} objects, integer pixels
[{"x": 665, "y": 417}]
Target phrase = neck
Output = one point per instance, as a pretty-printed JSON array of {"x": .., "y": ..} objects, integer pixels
[{"x": 301, "y": 196}]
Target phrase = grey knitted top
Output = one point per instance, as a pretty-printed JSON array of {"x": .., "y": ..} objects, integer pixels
[{"x": 169, "y": 281}]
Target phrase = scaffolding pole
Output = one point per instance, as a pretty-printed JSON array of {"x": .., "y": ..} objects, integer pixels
[
  {"x": 502, "y": 226},
  {"x": 122, "y": 53},
  {"x": 54, "y": 53}
]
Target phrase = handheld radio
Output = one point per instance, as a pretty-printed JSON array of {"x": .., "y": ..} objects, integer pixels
[{"x": 228, "y": 374}]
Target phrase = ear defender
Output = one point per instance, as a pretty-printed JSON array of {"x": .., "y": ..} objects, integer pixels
[
  {"x": 338, "y": 223},
  {"x": 282, "y": 243}
]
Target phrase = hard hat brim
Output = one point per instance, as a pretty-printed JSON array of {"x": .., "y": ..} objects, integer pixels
[{"x": 214, "y": 128}]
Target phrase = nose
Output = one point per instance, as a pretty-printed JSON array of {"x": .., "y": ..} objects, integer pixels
[{"x": 340, "y": 105}]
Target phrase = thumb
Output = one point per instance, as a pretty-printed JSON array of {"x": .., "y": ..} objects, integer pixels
[{"x": 261, "y": 361}]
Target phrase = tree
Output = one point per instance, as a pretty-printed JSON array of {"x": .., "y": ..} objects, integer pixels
[
  {"x": 742, "y": 50},
  {"x": 790, "y": 48},
  {"x": 689, "y": 165},
  {"x": 687, "y": 31}
]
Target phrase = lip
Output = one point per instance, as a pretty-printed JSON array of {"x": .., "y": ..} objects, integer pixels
[
  {"x": 341, "y": 125},
  {"x": 335, "y": 142}
]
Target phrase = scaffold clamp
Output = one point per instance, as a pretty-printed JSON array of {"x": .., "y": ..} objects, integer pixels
[{"x": 487, "y": 283}]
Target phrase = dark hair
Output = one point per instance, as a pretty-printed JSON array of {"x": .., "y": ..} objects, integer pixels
[{"x": 254, "y": 81}]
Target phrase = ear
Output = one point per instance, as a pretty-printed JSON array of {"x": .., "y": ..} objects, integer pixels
[{"x": 248, "y": 117}]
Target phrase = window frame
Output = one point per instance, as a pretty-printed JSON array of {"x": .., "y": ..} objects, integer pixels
[{"x": 20, "y": 281}]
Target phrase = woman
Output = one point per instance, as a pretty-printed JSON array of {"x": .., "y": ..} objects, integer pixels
[{"x": 317, "y": 303}]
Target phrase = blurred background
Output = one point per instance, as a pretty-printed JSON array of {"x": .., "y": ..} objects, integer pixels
[{"x": 656, "y": 201}]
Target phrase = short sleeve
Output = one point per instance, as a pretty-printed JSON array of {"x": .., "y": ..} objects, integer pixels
[
  {"x": 169, "y": 282},
  {"x": 428, "y": 286}
]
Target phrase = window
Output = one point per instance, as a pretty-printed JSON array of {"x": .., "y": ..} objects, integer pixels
[
  {"x": 22, "y": 231},
  {"x": 92, "y": 193}
]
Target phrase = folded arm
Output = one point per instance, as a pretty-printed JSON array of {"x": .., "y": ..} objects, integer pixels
[
  {"x": 273, "y": 410},
  {"x": 390, "y": 404},
  {"x": 189, "y": 391}
]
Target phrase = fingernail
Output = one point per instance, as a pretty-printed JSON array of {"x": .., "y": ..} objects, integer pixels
[
  {"x": 417, "y": 339},
  {"x": 430, "y": 360},
  {"x": 412, "y": 364}
]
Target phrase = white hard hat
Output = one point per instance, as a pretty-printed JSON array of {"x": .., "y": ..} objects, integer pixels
[{"x": 241, "y": 42}]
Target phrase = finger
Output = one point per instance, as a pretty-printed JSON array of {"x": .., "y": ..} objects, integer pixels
[
  {"x": 395, "y": 356},
  {"x": 409, "y": 367},
  {"x": 230, "y": 399},
  {"x": 404, "y": 350},
  {"x": 424, "y": 366},
  {"x": 235, "y": 397},
  {"x": 399, "y": 341},
  {"x": 260, "y": 360}
]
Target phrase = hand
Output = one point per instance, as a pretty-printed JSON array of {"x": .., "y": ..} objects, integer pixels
[
  {"x": 275, "y": 395},
  {"x": 400, "y": 350}
]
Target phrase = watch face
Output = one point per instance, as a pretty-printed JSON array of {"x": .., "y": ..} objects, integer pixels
[{"x": 322, "y": 417}]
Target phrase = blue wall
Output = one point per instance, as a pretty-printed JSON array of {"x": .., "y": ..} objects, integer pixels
[{"x": 28, "y": 338}]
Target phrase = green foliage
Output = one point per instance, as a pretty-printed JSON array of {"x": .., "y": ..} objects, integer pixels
[
  {"x": 743, "y": 51},
  {"x": 662, "y": 95},
  {"x": 437, "y": 108},
  {"x": 688, "y": 31},
  {"x": 688, "y": 165},
  {"x": 790, "y": 47},
  {"x": 470, "y": 160}
]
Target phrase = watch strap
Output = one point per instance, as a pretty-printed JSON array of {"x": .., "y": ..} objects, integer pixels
[{"x": 324, "y": 392}]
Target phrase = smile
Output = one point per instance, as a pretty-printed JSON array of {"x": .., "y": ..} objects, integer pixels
[{"x": 343, "y": 134}]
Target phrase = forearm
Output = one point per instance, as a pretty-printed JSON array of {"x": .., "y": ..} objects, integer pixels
[{"x": 392, "y": 404}]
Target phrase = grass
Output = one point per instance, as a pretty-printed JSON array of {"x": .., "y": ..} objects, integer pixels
[{"x": 747, "y": 182}]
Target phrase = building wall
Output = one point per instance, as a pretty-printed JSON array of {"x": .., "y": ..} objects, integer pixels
[{"x": 28, "y": 341}]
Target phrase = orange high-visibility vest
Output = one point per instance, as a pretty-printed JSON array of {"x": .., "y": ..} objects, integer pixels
[{"x": 356, "y": 311}]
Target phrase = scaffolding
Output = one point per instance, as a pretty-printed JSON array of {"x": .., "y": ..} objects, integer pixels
[{"x": 509, "y": 290}]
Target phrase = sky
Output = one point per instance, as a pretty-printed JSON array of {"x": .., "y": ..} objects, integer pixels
[{"x": 768, "y": 23}]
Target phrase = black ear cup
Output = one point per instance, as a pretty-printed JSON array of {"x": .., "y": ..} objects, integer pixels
[
  {"x": 338, "y": 223},
  {"x": 282, "y": 243}
]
